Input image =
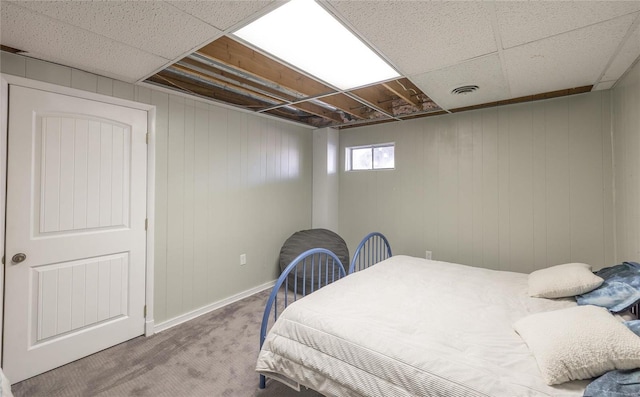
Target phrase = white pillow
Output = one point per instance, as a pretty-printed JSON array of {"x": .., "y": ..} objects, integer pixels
[
  {"x": 578, "y": 343},
  {"x": 560, "y": 281}
]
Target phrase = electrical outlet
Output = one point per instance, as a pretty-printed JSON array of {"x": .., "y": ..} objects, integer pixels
[
  {"x": 243, "y": 259},
  {"x": 427, "y": 254}
]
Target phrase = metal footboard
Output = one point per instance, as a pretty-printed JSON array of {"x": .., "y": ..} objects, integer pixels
[
  {"x": 319, "y": 265},
  {"x": 373, "y": 248}
]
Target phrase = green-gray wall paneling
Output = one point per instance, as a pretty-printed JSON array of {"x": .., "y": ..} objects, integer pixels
[
  {"x": 227, "y": 183},
  {"x": 517, "y": 187},
  {"x": 626, "y": 152}
]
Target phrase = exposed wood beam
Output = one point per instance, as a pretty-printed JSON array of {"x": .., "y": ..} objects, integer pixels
[
  {"x": 10, "y": 49},
  {"x": 366, "y": 123},
  {"x": 237, "y": 55},
  {"x": 528, "y": 98},
  {"x": 346, "y": 104},
  {"x": 424, "y": 114},
  {"x": 226, "y": 85},
  {"x": 308, "y": 119},
  {"x": 396, "y": 89},
  {"x": 173, "y": 81},
  {"x": 276, "y": 94},
  {"x": 377, "y": 97},
  {"x": 318, "y": 110},
  {"x": 306, "y": 106}
]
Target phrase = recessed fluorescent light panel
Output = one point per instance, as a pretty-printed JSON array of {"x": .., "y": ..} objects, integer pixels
[{"x": 305, "y": 35}]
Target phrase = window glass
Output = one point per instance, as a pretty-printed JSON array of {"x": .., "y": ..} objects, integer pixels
[
  {"x": 361, "y": 159},
  {"x": 370, "y": 157},
  {"x": 383, "y": 157}
]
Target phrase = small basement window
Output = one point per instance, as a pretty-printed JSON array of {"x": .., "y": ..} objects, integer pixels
[{"x": 370, "y": 157}]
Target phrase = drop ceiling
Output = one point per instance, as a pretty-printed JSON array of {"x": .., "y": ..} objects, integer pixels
[{"x": 513, "y": 51}]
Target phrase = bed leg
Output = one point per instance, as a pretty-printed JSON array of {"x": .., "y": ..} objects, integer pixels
[{"x": 263, "y": 382}]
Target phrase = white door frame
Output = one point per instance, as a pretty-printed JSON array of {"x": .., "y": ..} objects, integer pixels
[{"x": 5, "y": 82}]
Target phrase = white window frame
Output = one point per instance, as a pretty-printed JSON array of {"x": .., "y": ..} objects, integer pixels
[{"x": 349, "y": 157}]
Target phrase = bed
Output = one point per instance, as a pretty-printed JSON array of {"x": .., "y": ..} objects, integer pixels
[{"x": 360, "y": 337}]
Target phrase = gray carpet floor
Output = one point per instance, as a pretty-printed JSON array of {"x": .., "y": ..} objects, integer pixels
[{"x": 212, "y": 355}]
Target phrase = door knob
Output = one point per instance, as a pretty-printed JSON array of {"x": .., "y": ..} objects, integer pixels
[{"x": 17, "y": 258}]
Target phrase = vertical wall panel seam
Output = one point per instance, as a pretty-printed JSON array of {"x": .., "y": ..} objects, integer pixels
[
  {"x": 546, "y": 170},
  {"x": 184, "y": 167},
  {"x": 458, "y": 187},
  {"x": 612, "y": 126},
  {"x": 533, "y": 187},
  {"x": 569, "y": 180},
  {"x": 482, "y": 203},
  {"x": 604, "y": 178},
  {"x": 193, "y": 238},
  {"x": 509, "y": 187}
]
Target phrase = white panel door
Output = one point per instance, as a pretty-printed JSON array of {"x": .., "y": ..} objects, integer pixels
[{"x": 76, "y": 209}]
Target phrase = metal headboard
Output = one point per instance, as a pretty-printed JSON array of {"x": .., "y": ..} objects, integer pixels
[
  {"x": 319, "y": 266},
  {"x": 373, "y": 248},
  {"x": 635, "y": 310}
]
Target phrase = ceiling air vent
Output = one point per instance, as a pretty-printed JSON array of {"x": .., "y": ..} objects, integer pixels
[{"x": 464, "y": 90}]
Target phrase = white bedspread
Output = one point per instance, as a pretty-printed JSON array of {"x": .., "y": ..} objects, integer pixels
[{"x": 412, "y": 327}]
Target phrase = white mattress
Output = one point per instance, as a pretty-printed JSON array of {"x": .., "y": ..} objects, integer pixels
[{"x": 412, "y": 327}]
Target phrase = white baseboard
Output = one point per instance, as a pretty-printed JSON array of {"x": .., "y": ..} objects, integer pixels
[
  {"x": 211, "y": 307},
  {"x": 149, "y": 327}
]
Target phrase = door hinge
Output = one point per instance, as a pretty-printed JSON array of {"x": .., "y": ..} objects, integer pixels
[
  {"x": 3, "y": 259},
  {"x": 146, "y": 224},
  {"x": 145, "y": 311},
  {"x": 147, "y": 138}
]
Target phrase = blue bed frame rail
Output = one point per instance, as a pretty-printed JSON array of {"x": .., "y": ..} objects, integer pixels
[
  {"x": 373, "y": 248},
  {"x": 324, "y": 267}
]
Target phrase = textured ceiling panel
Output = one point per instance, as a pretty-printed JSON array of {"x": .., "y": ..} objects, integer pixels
[
  {"x": 151, "y": 26},
  {"x": 484, "y": 72},
  {"x": 420, "y": 36},
  {"x": 605, "y": 85},
  {"x": 222, "y": 14},
  {"x": 523, "y": 22},
  {"x": 52, "y": 40},
  {"x": 627, "y": 55},
  {"x": 573, "y": 59},
  {"x": 546, "y": 49}
]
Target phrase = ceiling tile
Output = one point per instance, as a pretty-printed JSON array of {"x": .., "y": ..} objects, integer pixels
[
  {"x": 627, "y": 55},
  {"x": 523, "y": 22},
  {"x": 569, "y": 60},
  {"x": 421, "y": 36},
  {"x": 603, "y": 85},
  {"x": 55, "y": 41},
  {"x": 222, "y": 14},
  {"x": 484, "y": 72},
  {"x": 152, "y": 26}
]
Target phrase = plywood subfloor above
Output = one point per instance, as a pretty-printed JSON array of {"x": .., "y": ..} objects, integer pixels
[{"x": 231, "y": 72}]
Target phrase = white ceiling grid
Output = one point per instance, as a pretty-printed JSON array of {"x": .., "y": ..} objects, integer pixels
[
  {"x": 628, "y": 53},
  {"x": 485, "y": 72},
  {"x": 139, "y": 24},
  {"x": 49, "y": 39},
  {"x": 573, "y": 59},
  {"x": 509, "y": 49},
  {"x": 419, "y": 36},
  {"x": 546, "y": 45},
  {"x": 227, "y": 15}
]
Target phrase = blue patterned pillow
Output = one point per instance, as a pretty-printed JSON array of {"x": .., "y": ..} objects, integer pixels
[
  {"x": 619, "y": 291},
  {"x": 633, "y": 326}
]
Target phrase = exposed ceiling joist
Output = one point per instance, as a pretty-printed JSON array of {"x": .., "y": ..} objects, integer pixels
[
  {"x": 242, "y": 57},
  {"x": 166, "y": 78},
  {"x": 377, "y": 97},
  {"x": 228, "y": 65},
  {"x": 405, "y": 90}
]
